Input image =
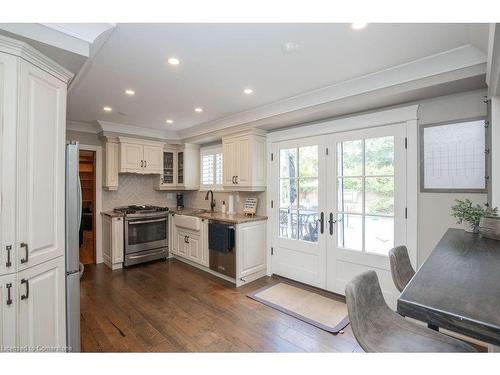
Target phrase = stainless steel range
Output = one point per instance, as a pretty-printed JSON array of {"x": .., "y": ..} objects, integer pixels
[{"x": 145, "y": 232}]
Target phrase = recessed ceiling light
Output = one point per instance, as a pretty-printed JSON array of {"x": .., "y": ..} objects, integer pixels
[
  {"x": 358, "y": 25},
  {"x": 169, "y": 121},
  {"x": 198, "y": 109},
  {"x": 130, "y": 92},
  {"x": 248, "y": 91},
  {"x": 290, "y": 47},
  {"x": 174, "y": 61},
  {"x": 107, "y": 109}
]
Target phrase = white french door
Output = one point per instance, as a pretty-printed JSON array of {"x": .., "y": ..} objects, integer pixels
[
  {"x": 359, "y": 187},
  {"x": 366, "y": 204},
  {"x": 299, "y": 175}
]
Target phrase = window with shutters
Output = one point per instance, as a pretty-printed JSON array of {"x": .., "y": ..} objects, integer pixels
[{"x": 211, "y": 168}]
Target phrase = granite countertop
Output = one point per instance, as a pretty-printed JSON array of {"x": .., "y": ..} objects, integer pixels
[{"x": 236, "y": 218}]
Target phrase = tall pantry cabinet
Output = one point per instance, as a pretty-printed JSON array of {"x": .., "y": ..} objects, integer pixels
[{"x": 32, "y": 170}]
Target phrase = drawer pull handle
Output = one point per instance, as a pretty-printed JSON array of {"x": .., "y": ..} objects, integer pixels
[
  {"x": 26, "y": 254},
  {"x": 25, "y": 296},
  {"x": 9, "y": 299},
  {"x": 9, "y": 249}
]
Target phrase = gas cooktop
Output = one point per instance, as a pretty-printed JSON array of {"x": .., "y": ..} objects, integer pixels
[{"x": 139, "y": 209}]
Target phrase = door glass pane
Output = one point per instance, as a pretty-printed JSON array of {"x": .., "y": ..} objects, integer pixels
[
  {"x": 350, "y": 158},
  {"x": 288, "y": 224},
  {"x": 379, "y": 156},
  {"x": 350, "y": 231},
  {"x": 379, "y": 195},
  {"x": 288, "y": 163},
  {"x": 308, "y": 226},
  {"x": 379, "y": 234},
  {"x": 288, "y": 192},
  {"x": 350, "y": 194},
  {"x": 168, "y": 167},
  {"x": 146, "y": 232},
  {"x": 308, "y": 161},
  {"x": 308, "y": 193}
]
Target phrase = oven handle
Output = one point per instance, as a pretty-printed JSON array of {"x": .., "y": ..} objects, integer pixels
[{"x": 146, "y": 221}]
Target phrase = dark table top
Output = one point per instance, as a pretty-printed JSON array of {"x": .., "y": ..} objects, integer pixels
[{"x": 458, "y": 287}]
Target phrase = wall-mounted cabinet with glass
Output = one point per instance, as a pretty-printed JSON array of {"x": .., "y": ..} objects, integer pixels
[{"x": 180, "y": 168}]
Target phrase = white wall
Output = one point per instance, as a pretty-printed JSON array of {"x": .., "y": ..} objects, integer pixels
[{"x": 434, "y": 208}]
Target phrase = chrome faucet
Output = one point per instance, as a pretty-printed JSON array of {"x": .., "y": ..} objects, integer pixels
[{"x": 212, "y": 201}]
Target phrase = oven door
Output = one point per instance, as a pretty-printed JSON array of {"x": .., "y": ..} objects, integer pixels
[{"x": 145, "y": 234}]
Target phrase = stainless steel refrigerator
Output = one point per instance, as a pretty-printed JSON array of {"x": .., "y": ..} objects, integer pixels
[{"x": 73, "y": 222}]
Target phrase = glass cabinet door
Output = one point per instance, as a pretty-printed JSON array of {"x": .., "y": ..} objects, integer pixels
[
  {"x": 180, "y": 167},
  {"x": 168, "y": 167}
]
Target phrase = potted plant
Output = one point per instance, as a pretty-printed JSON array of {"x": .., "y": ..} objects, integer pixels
[{"x": 466, "y": 211}]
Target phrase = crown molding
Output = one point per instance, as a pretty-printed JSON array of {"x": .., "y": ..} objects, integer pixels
[
  {"x": 83, "y": 127},
  {"x": 31, "y": 55},
  {"x": 130, "y": 130},
  {"x": 462, "y": 57}
]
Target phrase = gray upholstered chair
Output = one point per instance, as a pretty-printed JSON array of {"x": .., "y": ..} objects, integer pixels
[
  {"x": 379, "y": 329},
  {"x": 401, "y": 268}
]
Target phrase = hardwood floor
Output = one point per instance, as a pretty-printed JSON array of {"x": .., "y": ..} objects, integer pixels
[
  {"x": 173, "y": 307},
  {"x": 87, "y": 248}
]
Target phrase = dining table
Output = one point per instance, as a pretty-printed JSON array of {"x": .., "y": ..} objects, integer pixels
[{"x": 458, "y": 287}]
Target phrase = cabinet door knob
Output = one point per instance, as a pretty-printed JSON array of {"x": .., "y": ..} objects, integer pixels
[
  {"x": 9, "y": 298},
  {"x": 233, "y": 179},
  {"x": 9, "y": 249},
  {"x": 25, "y": 296},
  {"x": 145, "y": 163},
  {"x": 236, "y": 177},
  {"x": 26, "y": 254}
]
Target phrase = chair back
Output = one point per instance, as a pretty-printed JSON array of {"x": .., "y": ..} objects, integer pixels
[{"x": 401, "y": 268}]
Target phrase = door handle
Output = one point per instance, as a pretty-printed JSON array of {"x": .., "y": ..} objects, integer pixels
[
  {"x": 186, "y": 239},
  {"x": 236, "y": 177},
  {"x": 145, "y": 163},
  {"x": 142, "y": 163},
  {"x": 233, "y": 179},
  {"x": 9, "y": 249},
  {"x": 26, "y": 254},
  {"x": 331, "y": 222},
  {"x": 322, "y": 222},
  {"x": 25, "y": 296},
  {"x": 9, "y": 298}
]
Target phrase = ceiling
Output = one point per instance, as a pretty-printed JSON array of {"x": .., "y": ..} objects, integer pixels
[{"x": 217, "y": 61}]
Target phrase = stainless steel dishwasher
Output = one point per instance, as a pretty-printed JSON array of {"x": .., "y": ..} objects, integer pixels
[{"x": 221, "y": 248}]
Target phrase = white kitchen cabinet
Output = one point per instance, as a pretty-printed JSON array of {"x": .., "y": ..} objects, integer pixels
[
  {"x": 112, "y": 241},
  {"x": 183, "y": 171},
  {"x": 111, "y": 162},
  {"x": 190, "y": 242},
  {"x": 245, "y": 161},
  {"x": 8, "y": 117},
  {"x": 8, "y": 307},
  {"x": 140, "y": 156},
  {"x": 42, "y": 308},
  {"x": 40, "y": 166},
  {"x": 32, "y": 218},
  {"x": 168, "y": 179},
  {"x": 251, "y": 255}
]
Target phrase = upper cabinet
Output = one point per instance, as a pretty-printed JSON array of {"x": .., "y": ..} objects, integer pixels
[
  {"x": 140, "y": 156},
  {"x": 181, "y": 168},
  {"x": 245, "y": 161}
]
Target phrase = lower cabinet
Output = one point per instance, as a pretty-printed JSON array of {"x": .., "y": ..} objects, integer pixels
[
  {"x": 112, "y": 241},
  {"x": 251, "y": 255},
  {"x": 191, "y": 244},
  {"x": 33, "y": 313},
  {"x": 8, "y": 294}
]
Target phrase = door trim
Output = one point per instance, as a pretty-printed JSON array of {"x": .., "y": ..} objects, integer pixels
[
  {"x": 98, "y": 199},
  {"x": 406, "y": 116}
]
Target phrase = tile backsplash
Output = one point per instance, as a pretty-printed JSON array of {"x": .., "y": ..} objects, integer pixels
[
  {"x": 136, "y": 189},
  {"x": 139, "y": 189}
]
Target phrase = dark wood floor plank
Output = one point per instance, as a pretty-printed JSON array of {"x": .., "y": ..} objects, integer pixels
[{"x": 173, "y": 307}]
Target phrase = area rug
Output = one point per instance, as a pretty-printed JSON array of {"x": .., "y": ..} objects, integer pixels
[{"x": 313, "y": 308}]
